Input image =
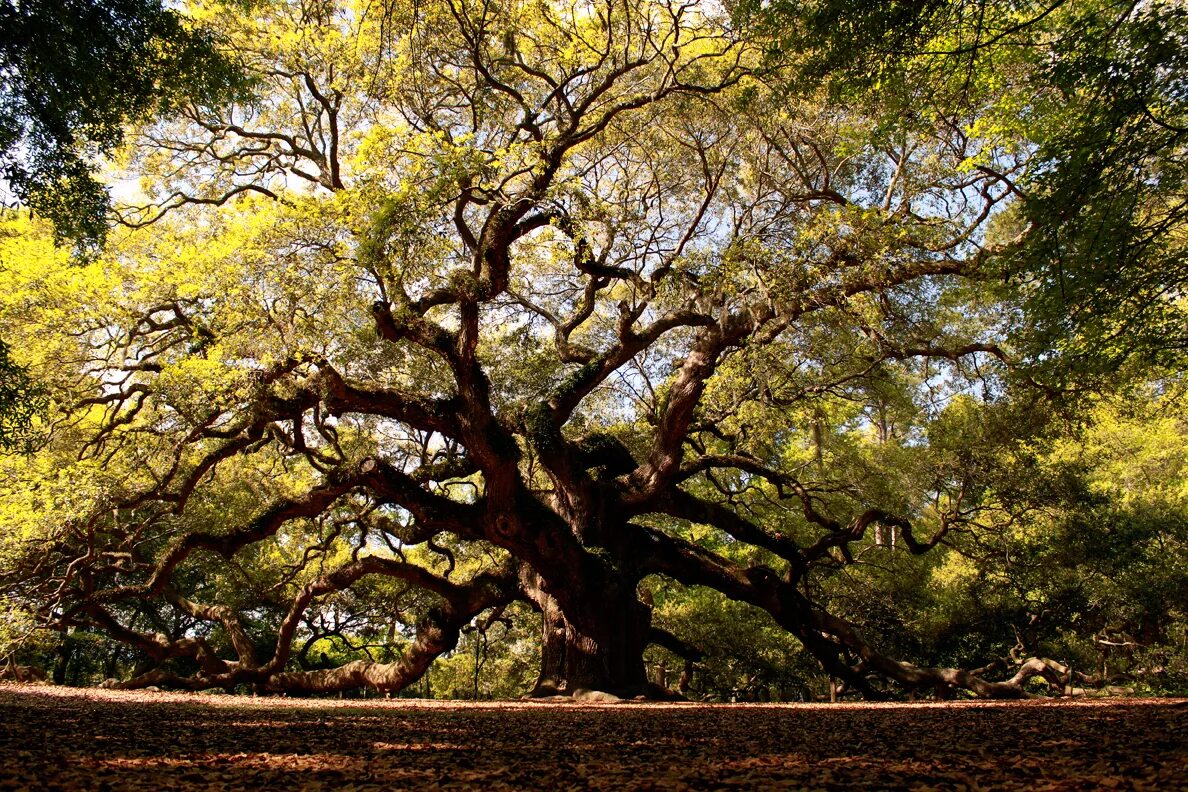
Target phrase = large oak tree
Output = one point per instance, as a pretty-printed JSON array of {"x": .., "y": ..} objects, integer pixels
[{"x": 499, "y": 301}]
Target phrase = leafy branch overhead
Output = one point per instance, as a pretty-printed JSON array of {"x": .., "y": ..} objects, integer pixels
[{"x": 75, "y": 75}]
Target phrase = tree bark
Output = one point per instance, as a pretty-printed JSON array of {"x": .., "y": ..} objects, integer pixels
[{"x": 601, "y": 652}]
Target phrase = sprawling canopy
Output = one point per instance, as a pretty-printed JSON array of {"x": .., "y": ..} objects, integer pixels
[{"x": 482, "y": 302}]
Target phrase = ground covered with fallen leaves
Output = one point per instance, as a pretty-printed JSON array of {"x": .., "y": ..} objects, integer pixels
[{"x": 61, "y": 738}]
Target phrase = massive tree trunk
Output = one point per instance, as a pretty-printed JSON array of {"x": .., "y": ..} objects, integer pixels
[
  {"x": 594, "y": 627},
  {"x": 603, "y": 652}
]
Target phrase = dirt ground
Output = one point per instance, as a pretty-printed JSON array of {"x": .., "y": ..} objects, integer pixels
[{"x": 61, "y": 738}]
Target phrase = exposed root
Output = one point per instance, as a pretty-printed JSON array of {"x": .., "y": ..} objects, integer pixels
[{"x": 646, "y": 692}]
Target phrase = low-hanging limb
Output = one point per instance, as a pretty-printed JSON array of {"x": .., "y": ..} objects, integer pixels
[
  {"x": 943, "y": 680},
  {"x": 827, "y": 637},
  {"x": 756, "y": 585},
  {"x": 379, "y": 477},
  {"x": 245, "y": 650},
  {"x": 390, "y": 485},
  {"x": 437, "y": 632},
  {"x": 158, "y": 647},
  {"x": 310, "y": 504}
]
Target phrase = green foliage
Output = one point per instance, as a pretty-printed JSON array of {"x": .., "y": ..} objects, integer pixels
[
  {"x": 1096, "y": 93},
  {"x": 1076, "y": 550},
  {"x": 493, "y": 660},
  {"x": 1108, "y": 253},
  {"x": 74, "y": 75},
  {"x": 22, "y": 405}
]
